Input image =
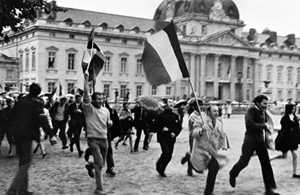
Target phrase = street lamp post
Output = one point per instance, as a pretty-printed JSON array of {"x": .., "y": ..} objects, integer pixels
[
  {"x": 127, "y": 95},
  {"x": 116, "y": 95},
  {"x": 240, "y": 85}
]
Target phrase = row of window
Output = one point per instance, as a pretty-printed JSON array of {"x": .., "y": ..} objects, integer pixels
[
  {"x": 124, "y": 90},
  {"x": 279, "y": 73},
  {"x": 27, "y": 59}
]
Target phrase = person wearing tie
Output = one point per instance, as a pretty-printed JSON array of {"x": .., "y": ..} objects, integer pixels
[
  {"x": 140, "y": 124},
  {"x": 76, "y": 123}
]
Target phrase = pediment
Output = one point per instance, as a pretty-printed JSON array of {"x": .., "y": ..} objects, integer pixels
[{"x": 226, "y": 39}]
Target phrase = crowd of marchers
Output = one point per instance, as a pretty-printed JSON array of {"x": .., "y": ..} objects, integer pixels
[{"x": 28, "y": 121}]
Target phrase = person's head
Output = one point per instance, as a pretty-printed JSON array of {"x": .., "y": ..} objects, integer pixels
[
  {"x": 35, "y": 89},
  {"x": 213, "y": 111},
  {"x": 98, "y": 99},
  {"x": 62, "y": 100},
  {"x": 125, "y": 105},
  {"x": 195, "y": 106},
  {"x": 290, "y": 109},
  {"x": 78, "y": 98},
  {"x": 261, "y": 101},
  {"x": 10, "y": 102},
  {"x": 166, "y": 103}
]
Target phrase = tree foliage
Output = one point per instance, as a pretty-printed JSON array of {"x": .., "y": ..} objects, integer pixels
[{"x": 13, "y": 14}]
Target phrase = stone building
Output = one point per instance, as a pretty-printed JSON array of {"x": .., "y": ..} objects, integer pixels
[
  {"x": 8, "y": 73},
  {"x": 224, "y": 61}
]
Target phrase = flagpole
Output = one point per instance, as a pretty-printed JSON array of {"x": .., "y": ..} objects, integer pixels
[
  {"x": 195, "y": 97},
  {"x": 92, "y": 51}
]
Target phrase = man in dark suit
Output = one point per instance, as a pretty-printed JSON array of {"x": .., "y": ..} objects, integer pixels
[
  {"x": 59, "y": 116},
  {"x": 140, "y": 124},
  {"x": 76, "y": 123},
  {"x": 168, "y": 126},
  {"x": 256, "y": 128}
]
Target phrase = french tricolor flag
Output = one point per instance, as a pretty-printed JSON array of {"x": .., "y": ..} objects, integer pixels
[{"x": 162, "y": 57}]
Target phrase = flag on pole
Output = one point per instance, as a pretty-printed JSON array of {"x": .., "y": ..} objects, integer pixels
[
  {"x": 60, "y": 90},
  {"x": 93, "y": 59},
  {"x": 162, "y": 57}
]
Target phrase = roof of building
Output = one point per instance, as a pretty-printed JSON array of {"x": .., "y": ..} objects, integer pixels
[{"x": 112, "y": 20}]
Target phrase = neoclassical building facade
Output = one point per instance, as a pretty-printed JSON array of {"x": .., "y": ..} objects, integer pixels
[{"x": 224, "y": 61}]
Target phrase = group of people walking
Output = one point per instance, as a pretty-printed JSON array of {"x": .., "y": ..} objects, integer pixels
[{"x": 103, "y": 124}]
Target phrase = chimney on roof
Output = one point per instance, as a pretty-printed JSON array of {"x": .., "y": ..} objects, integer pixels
[
  {"x": 251, "y": 36},
  {"x": 290, "y": 40},
  {"x": 273, "y": 37},
  {"x": 53, "y": 9}
]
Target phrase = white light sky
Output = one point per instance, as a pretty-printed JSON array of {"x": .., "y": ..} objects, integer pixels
[{"x": 281, "y": 16}]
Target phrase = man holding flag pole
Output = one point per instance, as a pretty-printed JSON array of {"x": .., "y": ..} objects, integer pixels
[{"x": 97, "y": 117}]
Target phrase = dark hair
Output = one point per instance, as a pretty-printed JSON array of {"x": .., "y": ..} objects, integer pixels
[
  {"x": 199, "y": 102},
  {"x": 125, "y": 103},
  {"x": 9, "y": 100},
  {"x": 63, "y": 99},
  {"x": 35, "y": 89},
  {"x": 95, "y": 94},
  {"x": 289, "y": 108},
  {"x": 77, "y": 96},
  {"x": 258, "y": 99}
]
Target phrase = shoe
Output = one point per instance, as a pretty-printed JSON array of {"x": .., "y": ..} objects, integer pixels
[
  {"x": 90, "y": 170},
  {"x": 271, "y": 192},
  {"x": 135, "y": 150},
  {"x": 124, "y": 144},
  {"x": 232, "y": 180},
  {"x": 145, "y": 148},
  {"x": 44, "y": 155},
  {"x": 65, "y": 147},
  {"x": 19, "y": 193},
  {"x": 190, "y": 173},
  {"x": 185, "y": 158},
  {"x": 162, "y": 174},
  {"x": 35, "y": 150},
  {"x": 100, "y": 192},
  {"x": 296, "y": 176},
  {"x": 111, "y": 172},
  {"x": 71, "y": 147},
  {"x": 80, "y": 153}
]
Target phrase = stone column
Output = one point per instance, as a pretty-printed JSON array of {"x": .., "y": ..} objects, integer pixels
[
  {"x": 202, "y": 75},
  {"x": 245, "y": 65},
  {"x": 232, "y": 78},
  {"x": 193, "y": 70},
  {"x": 255, "y": 78},
  {"x": 216, "y": 76}
]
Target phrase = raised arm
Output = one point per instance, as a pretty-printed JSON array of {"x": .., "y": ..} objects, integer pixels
[{"x": 86, "y": 97}]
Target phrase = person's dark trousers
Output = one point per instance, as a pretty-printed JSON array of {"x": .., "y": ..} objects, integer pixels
[
  {"x": 61, "y": 125},
  {"x": 76, "y": 131},
  {"x": 166, "y": 156},
  {"x": 261, "y": 150},
  {"x": 138, "y": 137},
  {"x": 109, "y": 155},
  {"x": 20, "y": 181},
  {"x": 213, "y": 168},
  {"x": 190, "y": 168}
]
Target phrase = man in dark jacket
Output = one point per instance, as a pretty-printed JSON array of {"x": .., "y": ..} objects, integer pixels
[
  {"x": 59, "y": 116},
  {"x": 256, "y": 127},
  {"x": 140, "y": 124},
  {"x": 168, "y": 126},
  {"x": 28, "y": 117},
  {"x": 76, "y": 123}
]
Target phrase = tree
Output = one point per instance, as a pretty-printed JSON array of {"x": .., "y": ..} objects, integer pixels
[{"x": 13, "y": 14}]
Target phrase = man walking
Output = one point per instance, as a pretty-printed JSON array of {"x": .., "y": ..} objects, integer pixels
[
  {"x": 28, "y": 117},
  {"x": 59, "y": 116},
  {"x": 254, "y": 140},
  {"x": 168, "y": 126},
  {"x": 98, "y": 121},
  {"x": 76, "y": 123},
  {"x": 140, "y": 124}
]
